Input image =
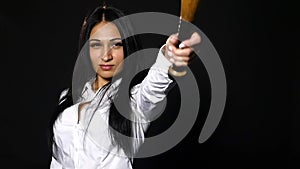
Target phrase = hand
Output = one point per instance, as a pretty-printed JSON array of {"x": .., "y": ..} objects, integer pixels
[{"x": 181, "y": 56}]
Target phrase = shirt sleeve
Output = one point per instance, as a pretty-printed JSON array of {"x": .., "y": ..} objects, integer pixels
[
  {"x": 152, "y": 90},
  {"x": 55, "y": 164}
]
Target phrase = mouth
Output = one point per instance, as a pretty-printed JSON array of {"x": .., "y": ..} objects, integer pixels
[{"x": 106, "y": 67}]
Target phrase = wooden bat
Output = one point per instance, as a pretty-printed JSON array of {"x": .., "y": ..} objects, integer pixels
[
  {"x": 187, "y": 14},
  {"x": 188, "y": 9}
]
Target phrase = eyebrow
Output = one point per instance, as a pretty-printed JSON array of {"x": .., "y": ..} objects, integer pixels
[{"x": 114, "y": 39}]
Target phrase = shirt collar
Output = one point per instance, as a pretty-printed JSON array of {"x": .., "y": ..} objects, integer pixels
[{"x": 88, "y": 93}]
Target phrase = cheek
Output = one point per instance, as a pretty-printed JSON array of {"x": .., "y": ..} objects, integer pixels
[
  {"x": 119, "y": 56},
  {"x": 94, "y": 55},
  {"x": 94, "y": 58}
]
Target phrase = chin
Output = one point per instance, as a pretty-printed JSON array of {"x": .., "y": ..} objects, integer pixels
[{"x": 106, "y": 75}]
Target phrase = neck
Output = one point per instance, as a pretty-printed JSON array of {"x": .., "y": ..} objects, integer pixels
[{"x": 99, "y": 82}]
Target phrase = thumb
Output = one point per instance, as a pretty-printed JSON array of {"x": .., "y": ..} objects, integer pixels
[{"x": 194, "y": 39}]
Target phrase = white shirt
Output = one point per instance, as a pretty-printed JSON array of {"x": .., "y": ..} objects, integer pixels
[{"x": 72, "y": 149}]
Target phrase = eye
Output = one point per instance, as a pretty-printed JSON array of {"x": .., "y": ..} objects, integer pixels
[
  {"x": 117, "y": 45},
  {"x": 95, "y": 45}
]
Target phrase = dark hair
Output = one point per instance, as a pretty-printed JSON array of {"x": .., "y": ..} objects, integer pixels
[{"x": 131, "y": 44}]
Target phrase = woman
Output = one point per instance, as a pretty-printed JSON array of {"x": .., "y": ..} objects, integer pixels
[{"x": 95, "y": 115}]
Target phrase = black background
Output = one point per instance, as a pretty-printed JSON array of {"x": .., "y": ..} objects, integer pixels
[{"x": 257, "y": 43}]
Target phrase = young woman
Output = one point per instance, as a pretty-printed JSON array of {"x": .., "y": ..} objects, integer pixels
[{"x": 100, "y": 122}]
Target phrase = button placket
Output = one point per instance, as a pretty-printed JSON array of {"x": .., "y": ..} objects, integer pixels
[{"x": 76, "y": 144}]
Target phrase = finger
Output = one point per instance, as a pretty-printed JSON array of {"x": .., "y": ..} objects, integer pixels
[
  {"x": 181, "y": 58},
  {"x": 173, "y": 39},
  {"x": 194, "y": 39},
  {"x": 182, "y": 52},
  {"x": 169, "y": 49},
  {"x": 180, "y": 64}
]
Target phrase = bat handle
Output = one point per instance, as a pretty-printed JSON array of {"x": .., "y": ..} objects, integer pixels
[
  {"x": 183, "y": 33},
  {"x": 177, "y": 71}
]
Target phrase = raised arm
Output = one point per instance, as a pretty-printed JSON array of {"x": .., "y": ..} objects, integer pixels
[{"x": 148, "y": 94}]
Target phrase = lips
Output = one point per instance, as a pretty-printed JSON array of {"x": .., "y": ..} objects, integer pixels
[{"x": 106, "y": 67}]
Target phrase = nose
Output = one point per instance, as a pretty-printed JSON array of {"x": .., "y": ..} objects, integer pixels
[{"x": 107, "y": 55}]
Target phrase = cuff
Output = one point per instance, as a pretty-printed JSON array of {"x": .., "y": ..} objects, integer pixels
[{"x": 162, "y": 63}]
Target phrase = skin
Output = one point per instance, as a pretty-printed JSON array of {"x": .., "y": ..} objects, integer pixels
[
  {"x": 180, "y": 56},
  {"x": 107, "y": 55},
  {"x": 106, "y": 52}
]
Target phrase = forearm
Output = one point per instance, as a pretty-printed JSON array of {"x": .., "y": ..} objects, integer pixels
[{"x": 152, "y": 90}]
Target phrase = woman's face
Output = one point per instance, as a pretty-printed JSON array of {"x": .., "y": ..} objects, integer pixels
[{"x": 106, "y": 50}]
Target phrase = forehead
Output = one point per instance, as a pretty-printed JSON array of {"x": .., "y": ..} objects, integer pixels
[{"x": 105, "y": 30}]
